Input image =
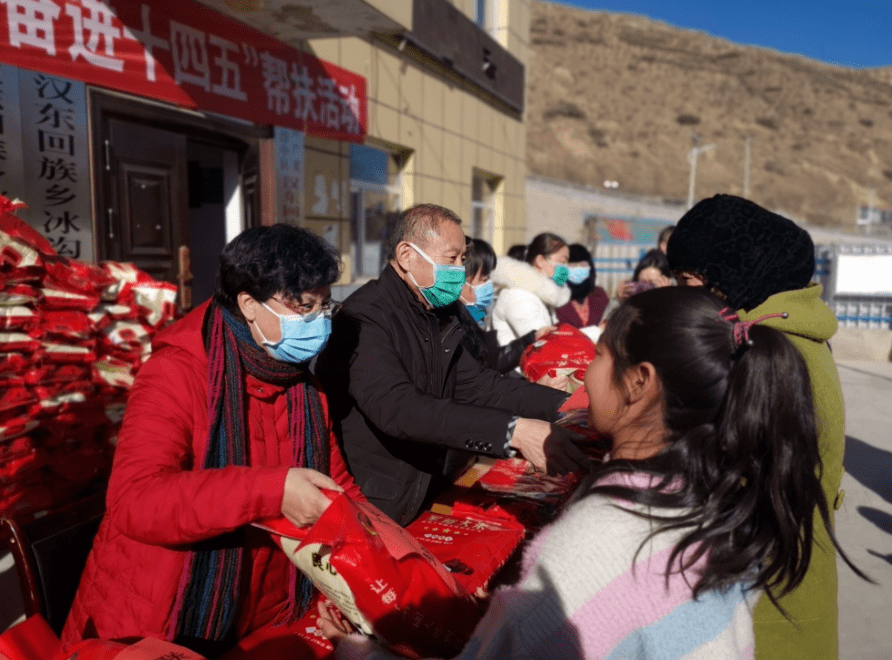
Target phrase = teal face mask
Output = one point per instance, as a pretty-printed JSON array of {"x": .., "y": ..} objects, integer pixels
[
  {"x": 561, "y": 273},
  {"x": 448, "y": 282}
]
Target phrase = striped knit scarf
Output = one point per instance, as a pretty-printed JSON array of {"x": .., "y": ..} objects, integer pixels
[{"x": 208, "y": 594}]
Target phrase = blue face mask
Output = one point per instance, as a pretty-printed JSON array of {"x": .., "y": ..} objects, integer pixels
[
  {"x": 301, "y": 339},
  {"x": 484, "y": 295},
  {"x": 578, "y": 274}
]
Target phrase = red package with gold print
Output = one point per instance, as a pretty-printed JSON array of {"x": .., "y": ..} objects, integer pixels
[{"x": 382, "y": 579}]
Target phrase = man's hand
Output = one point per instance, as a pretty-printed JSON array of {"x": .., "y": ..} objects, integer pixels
[
  {"x": 557, "y": 382},
  {"x": 302, "y": 502},
  {"x": 541, "y": 332},
  {"x": 332, "y": 623},
  {"x": 548, "y": 447}
]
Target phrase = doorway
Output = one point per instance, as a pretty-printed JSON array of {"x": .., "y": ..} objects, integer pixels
[{"x": 173, "y": 187}]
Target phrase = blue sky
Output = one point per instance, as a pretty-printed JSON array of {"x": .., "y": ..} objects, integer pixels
[{"x": 857, "y": 33}]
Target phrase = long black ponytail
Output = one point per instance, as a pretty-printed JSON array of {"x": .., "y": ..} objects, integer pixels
[{"x": 741, "y": 462}]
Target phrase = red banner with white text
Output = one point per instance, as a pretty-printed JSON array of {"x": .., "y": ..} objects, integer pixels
[{"x": 187, "y": 54}]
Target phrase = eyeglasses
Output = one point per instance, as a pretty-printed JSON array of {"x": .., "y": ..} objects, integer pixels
[{"x": 309, "y": 311}]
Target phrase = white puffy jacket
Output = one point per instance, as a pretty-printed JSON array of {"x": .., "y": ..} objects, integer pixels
[{"x": 527, "y": 301}]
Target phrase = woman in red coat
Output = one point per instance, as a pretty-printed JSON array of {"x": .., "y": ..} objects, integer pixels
[{"x": 225, "y": 426}]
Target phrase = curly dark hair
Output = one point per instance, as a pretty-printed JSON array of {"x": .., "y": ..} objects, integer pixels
[
  {"x": 741, "y": 461},
  {"x": 263, "y": 261}
]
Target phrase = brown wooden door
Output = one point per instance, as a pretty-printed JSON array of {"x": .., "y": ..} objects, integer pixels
[{"x": 145, "y": 196}]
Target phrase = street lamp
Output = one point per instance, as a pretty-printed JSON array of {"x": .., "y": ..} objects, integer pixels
[{"x": 693, "y": 154}]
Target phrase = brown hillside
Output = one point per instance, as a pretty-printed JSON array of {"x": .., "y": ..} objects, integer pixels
[{"x": 617, "y": 97}]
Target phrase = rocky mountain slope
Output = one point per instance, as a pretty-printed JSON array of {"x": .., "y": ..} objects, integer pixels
[{"x": 624, "y": 98}]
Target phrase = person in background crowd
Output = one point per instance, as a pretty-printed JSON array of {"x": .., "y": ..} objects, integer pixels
[
  {"x": 534, "y": 288},
  {"x": 663, "y": 238},
  {"x": 708, "y": 498},
  {"x": 225, "y": 426},
  {"x": 651, "y": 272},
  {"x": 403, "y": 390},
  {"x": 654, "y": 268},
  {"x": 517, "y": 252},
  {"x": 477, "y": 295},
  {"x": 762, "y": 263},
  {"x": 587, "y": 301}
]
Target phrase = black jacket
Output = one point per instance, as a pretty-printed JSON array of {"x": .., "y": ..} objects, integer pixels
[
  {"x": 483, "y": 345},
  {"x": 402, "y": 392}
]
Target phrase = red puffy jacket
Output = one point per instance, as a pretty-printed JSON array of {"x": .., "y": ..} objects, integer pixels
[{"x": 158, "y": 503}]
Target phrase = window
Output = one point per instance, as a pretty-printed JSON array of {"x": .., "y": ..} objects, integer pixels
[
  {"x": 483, "y": 206},
  {"x": 488, "y": 15},
  {"x": 376, "y": 199}
]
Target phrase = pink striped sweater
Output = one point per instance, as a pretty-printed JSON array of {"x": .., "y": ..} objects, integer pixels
[{"x": 581, "y": 597}]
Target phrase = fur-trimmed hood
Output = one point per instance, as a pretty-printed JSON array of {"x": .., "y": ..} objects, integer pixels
[{"x": 510, "y": 273}]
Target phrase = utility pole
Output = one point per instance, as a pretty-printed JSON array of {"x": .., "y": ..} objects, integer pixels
[
  {"x": 747, "y": 159},
  {"x": 693, "y": 154}
]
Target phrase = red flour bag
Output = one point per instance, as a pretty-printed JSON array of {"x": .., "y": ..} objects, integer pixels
[
  {"x": 472, "y": 547},
  {"x": 55, "y": 298},
  {"x": 12, "y": 342},
  {"x": 17, "y": 229},
  {"x": 121, "y": 273},
  {"x": 155, "y": 300},
  {"x": 384, "y": 581},
  {"x": 565, "y": 351},
  {"x": 19, "y": 262}
]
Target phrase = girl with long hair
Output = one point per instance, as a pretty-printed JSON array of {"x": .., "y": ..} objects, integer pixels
[{"x": 705, "y": 502}]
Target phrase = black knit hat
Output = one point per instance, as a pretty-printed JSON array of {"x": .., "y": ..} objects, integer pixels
[{"x": 746, "y": 252}]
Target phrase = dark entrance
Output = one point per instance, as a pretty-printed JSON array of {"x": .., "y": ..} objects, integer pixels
[{"x": 172, "y": 188}]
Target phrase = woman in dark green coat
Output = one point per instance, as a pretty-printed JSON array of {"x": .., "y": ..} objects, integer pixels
[{"x": 762, "y": 263}]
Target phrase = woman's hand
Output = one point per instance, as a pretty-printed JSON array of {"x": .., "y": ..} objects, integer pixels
[
  {"x": 332, "y": 624},
  {"x": 303, "y": 502}
]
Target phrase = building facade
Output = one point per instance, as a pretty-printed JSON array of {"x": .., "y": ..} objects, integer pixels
[{"x": 155, "y": 131}]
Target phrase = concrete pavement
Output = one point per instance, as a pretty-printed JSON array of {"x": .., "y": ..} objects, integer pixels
[{"x": 864, "y": 522}]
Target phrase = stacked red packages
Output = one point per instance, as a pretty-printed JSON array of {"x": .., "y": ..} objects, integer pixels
[
  {"x": 72, "y": 336},
  {"x": 382, "y": 579},
  {"x": 564, "y": 351}
]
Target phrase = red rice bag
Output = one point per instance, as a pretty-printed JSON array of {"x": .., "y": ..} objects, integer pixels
[
  {"x": 12, "y": 342},
  {"x": 17, "y": 469},
  {"x": 75, "y": 276},
  {"x": 18, "y": 317},
  {"x": 516, "y": 477},
  {"x": 121, "y": 273},
  {"x": 155, "y": 300},
  {"x": 128, "y": 335},
  {"x": 64, "y": 407},
  {"x": 19, "y": 262},
  {"x": 383, "y": 580},
  {"x": 113, "y": 372},
  {"x": 565, "y": 350},
  {"x": 471, "y": 547},
  {"x": 19, "y": 294},
  {"x": 54, "y": 298},
  {"x": 17, "y": 229},
  {"x": 51, "y": 374},
  {"x": 301, "y": 640},
  {"x": 58, "y": 353},
  {"x": 67, "y": 323},
  {"x": 16, "y": 426},
  {"x": 14, "y": 399},
  {"x": 15, "y": 363}
]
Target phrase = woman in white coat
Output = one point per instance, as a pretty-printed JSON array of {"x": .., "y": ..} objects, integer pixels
[{"x": 533, "y": 288}]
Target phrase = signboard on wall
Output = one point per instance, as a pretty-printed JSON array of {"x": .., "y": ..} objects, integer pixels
[
  {"x": 187, "y": 54},
  {"x": 45, "y": 157},
  {"x": 289, "y": 175}
]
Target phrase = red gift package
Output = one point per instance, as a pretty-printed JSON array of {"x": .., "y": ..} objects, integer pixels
[
  {"x": 471, "y": 547},
  {"x": 565, "y": 350},
  {"x": 382, "y": 579}
]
